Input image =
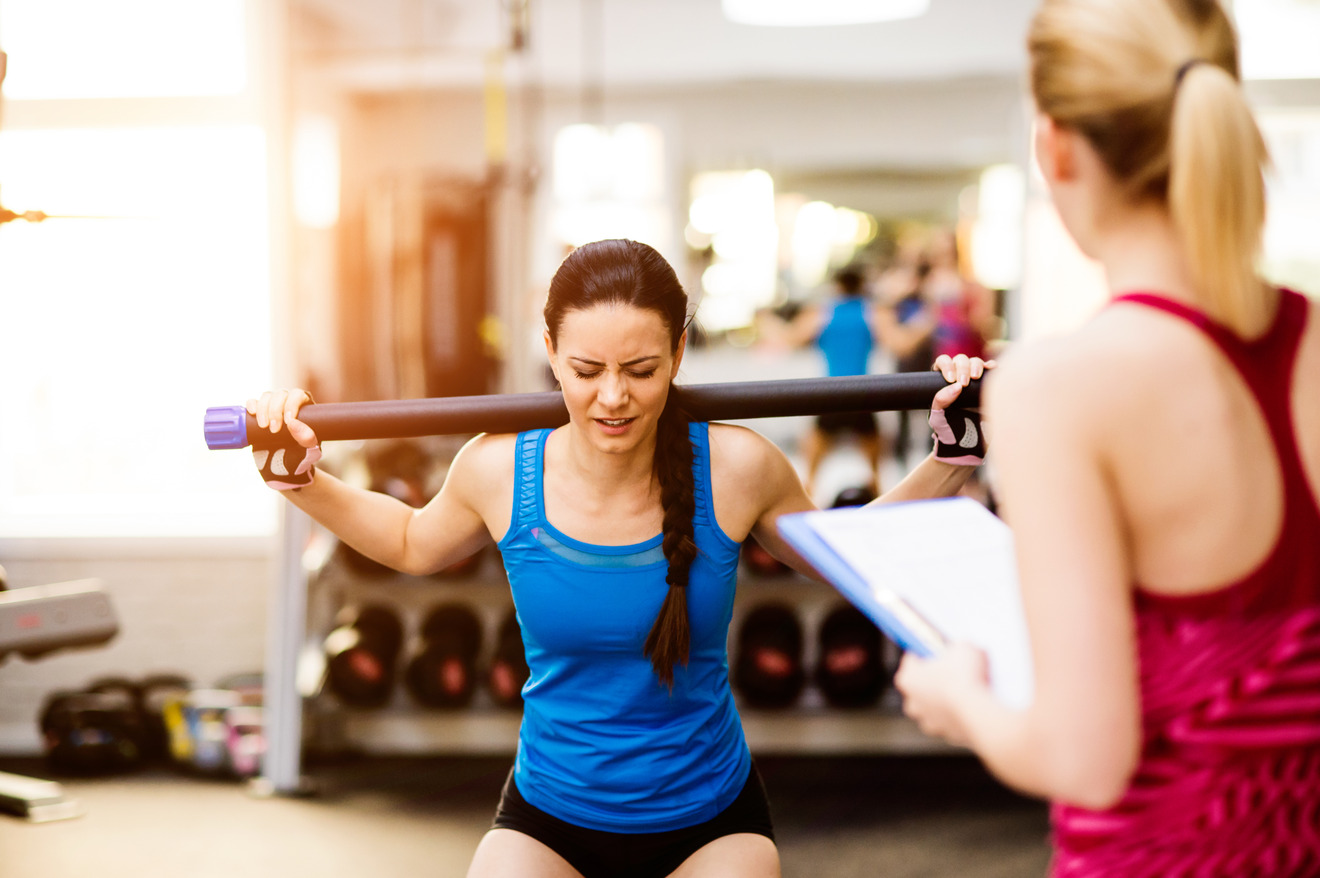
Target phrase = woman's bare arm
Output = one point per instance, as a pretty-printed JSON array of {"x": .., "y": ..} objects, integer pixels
[
  {"x": 1080, "y": 739},
  {"x": 453, "y": 525}
]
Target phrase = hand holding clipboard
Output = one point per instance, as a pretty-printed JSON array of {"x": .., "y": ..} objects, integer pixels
[{"x": 928, "y": 572}]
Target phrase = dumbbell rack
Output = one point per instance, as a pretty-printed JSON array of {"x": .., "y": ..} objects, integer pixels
[{"x": 401, "y": 727}]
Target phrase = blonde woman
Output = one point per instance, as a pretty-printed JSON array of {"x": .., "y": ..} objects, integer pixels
[{"x": 1164, "y": 502}]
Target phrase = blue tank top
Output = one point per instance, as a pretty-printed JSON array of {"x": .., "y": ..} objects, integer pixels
[
  {"x": 603, "y": 743},
  {"x": 846, "y": 338}
]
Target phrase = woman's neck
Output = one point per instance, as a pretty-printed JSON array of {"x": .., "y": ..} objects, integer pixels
[
  {"x": 609, "y": 473},
  {"x": 1140, "y": 251}
]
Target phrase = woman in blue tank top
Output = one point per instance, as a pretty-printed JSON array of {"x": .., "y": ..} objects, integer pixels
[{"x": 620, "y": 535}]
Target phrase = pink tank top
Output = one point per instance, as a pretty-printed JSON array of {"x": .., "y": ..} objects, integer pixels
[{"x": 1229, "y": 778}]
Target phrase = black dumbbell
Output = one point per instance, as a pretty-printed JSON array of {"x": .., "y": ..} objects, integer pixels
[
  {"x": 850, "y": 669},
  {"x": 92, "y": 732},
  {"x": 361, "y": 655},
  {"x": 768, "y": 671},
  {"x": 857, "y": 495},
  {"x": 757, "y": 560},
  {"x": 508, "y": 667},
  {"x": 441, "y": 672},
  {"x": 465, "y": 567},
  {"x": 134, "y": 699},
  {"x": 358, "y": 563}
]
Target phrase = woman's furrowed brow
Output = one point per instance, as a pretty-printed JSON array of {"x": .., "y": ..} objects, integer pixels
[{"x": 633, "y": 362}]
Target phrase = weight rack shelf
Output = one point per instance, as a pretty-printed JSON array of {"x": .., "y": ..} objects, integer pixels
[{"x": 810, "y": 727}]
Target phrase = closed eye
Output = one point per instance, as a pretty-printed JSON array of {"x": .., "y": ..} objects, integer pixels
[{"x": 589, "y": 375}]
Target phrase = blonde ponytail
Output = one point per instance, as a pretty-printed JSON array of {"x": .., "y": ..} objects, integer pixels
[
  {"x": 1117, "y": 71},
  {"x": 1217, "y": 195}
]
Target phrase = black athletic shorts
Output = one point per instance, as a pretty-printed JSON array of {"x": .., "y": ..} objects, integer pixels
[
  {"x": 860, "y": 423},
  {"x": 599, "y": 854}
]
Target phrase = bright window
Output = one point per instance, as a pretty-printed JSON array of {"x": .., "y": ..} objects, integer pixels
[
  {"x": 123, "y": 49},
  {"x": 119, "y": 328},
  {"x": 119, "y": 332},
  {"x": 1293, "y": 222}
]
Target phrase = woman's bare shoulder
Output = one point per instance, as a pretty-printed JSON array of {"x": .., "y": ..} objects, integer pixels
[
  {"x": 1106, "y": 352},
  {"x": 749, "y": 475},
  {"x": 484, "y": 462},
  {"x": 1093, "y": 379},
  {"x": 742, "y": 456},
  {"x": 733, "y": 446}
]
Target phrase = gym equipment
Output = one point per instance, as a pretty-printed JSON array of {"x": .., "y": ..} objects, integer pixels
[
  {"x": 244, "y": 722},
  {"x": 466, "y": 567},
  {"x": 233, "y": 427},
  {"x": 153, "y": 693},
  {"x": 858, "y": 495},
  {"x": 34, "y": 622},
  {"x": 246, "y": 740},
  {"x": 361, "y": 654},
  {"x": 441, "y": 672},
  {"x": 757, "y": 560},
  {"x": 357, "y": 562},
  {"x": 229, "y": 427},
  {"x": 200, "y": 733},
  {"x": 93, "y": 733},
  {"x": 508, "y": 669},
  {"x": 850, "y": 671},
  {"x": 41, "y": 619},
  {"x": 768, "y": 671}
]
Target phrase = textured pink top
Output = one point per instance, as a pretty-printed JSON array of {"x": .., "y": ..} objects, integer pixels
[{"x": 1229, "y": 778}]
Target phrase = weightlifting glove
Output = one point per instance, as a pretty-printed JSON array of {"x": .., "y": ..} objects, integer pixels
[
  {"x": 958, "y": 436},
  {"x": 287, "y": 467}
]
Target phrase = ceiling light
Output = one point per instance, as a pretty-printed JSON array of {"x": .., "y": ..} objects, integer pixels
[{"x": 815, "y": 13}]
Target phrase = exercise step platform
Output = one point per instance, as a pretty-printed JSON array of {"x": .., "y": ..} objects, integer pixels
[{"x": 39, "y": 801}]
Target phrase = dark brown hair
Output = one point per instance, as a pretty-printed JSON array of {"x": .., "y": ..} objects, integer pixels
[{"x": 622, "y": 272}]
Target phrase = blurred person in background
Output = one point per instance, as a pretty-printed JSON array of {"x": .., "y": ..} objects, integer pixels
[
  {"x": 904, "y": 324},
  {"x": 1164, "y": 504},
  {"x": 843, "y": 329},
  {"x": 962, "y": 312}
]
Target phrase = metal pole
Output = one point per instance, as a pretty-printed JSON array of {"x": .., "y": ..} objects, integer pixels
[{"x": 231, "y": 427}]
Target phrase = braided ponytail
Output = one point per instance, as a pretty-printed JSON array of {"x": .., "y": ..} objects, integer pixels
[
  {"x": 670, "y": 637},
  {"x": 623, "y": 272}
]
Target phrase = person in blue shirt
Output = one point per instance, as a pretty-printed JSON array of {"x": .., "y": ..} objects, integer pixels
[
  {"x": 842, "y": 328},
  {"x": 620, "y": 533}
]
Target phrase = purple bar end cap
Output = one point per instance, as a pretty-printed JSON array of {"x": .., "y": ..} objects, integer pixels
[{"x": 226, "y": 427}]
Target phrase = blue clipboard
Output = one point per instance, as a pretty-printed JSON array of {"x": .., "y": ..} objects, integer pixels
[{"x": 797, "y": 530}]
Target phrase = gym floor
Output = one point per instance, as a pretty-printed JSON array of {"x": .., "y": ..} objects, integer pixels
[{"x": 898, "y": 817}]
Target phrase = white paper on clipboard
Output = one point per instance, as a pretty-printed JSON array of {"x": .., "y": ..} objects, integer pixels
[{"x": 949, "y": 560}]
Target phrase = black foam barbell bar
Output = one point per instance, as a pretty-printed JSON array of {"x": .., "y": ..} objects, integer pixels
[{"x": 233, "y": 427}]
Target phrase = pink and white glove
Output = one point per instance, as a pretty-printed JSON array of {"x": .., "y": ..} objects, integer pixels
[
  {"x": 285, "y": 457},
  {"x": 958, "y": 436},
  {"x": 959, "y": 439},
  {"x": 288, "y": 467}
]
